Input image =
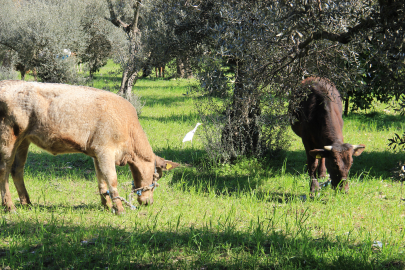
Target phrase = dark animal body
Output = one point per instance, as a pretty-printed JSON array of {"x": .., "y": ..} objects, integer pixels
[
  {"x": 75, "y": 119},
  {"x": 319, "y": 123}
]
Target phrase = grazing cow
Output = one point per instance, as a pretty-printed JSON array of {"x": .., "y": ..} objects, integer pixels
[
  {"x": 319, "y": 123},
  {"x": 75, "y": 119}
]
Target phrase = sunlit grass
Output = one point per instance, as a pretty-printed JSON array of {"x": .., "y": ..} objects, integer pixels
[{"x": 249, "y": 215}]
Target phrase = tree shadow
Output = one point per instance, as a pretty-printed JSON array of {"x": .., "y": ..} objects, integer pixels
[
  {"x": 75, "y": 165},
  {"x": 380, "y": 120},
  {"x": 56, "y": 244},
  {"x": 369, "y": 163},
  {"x": 82, "y": 166},
  {"x": 176, "y": 118}
]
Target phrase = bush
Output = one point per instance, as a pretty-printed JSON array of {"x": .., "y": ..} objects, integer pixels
[
  {"x": 135, "y": 100},
  {"x": 55, "y": 68},
  {"x": 8, "y": 74}
]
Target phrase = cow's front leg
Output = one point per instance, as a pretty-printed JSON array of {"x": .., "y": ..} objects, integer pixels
[
  {"x": 102, "y": 187},
  {"x": 107, "y": 177},
  {"x": 312, "y": 166},
  {"x": 321, "y": 168}
]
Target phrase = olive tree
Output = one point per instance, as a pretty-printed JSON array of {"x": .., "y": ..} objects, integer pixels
[
  {"x": 39, "y": 31},
  {"x": 45, "y": 35},
  {"x": 274, "y": 44},
  {"x": 126, "y": 15}
]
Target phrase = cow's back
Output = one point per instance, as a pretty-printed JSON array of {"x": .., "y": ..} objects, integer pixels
[
  {"x": 83, "y": 119},
  {"x": 319, "y": 116}
]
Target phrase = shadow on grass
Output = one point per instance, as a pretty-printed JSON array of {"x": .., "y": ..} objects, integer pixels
[
  {"x": 75, "y": 165},
  {"x": 259, "y": 246},
  {"x": 176, "y": 118},
  {"x": 381, "y": 120},
  {"x": 167, "y": 101},
  {"x": 367, "y": 166},
  {"x": 370, "y": 164},
  {"x": 82, "y": 166}
]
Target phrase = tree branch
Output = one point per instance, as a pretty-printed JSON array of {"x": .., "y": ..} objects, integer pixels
[
  {"x": 9, "y": 46},
  {"x": 343, "y": 38},
  {"x": 136, "y": 15},
  {"x": 114, "y": 19}
]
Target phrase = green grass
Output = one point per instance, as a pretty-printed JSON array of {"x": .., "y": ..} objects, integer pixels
[{"x": 246, "y": 216}]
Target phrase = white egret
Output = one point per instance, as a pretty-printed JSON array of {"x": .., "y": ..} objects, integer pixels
[{"x": 189, "y": 136}]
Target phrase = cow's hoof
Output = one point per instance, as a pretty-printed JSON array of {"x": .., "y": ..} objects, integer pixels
[
  {"x": 9, "y": 208},
  {"x": 314, "y": 195},
  {"x": 117, "y": 211},
  {"x": 11, "y": 211},
  {"x": 26, "y": 206}
]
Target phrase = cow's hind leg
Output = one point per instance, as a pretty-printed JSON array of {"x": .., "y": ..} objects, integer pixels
[
  {"x": 4, "y": 186},
  {"x": 107, "y": 183},
  {"x": 17, "y": 172}
]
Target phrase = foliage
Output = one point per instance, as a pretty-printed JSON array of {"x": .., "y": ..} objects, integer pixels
[
  {"x": 58, "y": 69},
  {"x": 41, "y": 32},
  {"x": 100, "y": 37},
  {"x": 97, "y": 53}
]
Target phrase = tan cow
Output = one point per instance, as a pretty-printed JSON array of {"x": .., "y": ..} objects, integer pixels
[{"x": 75, "y": 119}]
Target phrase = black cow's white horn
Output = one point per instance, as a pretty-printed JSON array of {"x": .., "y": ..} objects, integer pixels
[
  {"x": 328, "y": 147},
  {"x": 357, "y": 146}
]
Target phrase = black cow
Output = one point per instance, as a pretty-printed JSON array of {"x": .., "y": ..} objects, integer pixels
[{"x": 319, "y": 123}]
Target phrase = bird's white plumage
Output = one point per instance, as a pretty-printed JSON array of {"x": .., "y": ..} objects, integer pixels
[{"x": 189, "y": 136}]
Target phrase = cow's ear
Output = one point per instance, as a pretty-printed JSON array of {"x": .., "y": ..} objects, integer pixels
[
  {"x": 165, "y": 165},
  {"x": 170, "y": 165},
  {"x": 358, "y": 149},
  {"x": 318, "y": 153}
]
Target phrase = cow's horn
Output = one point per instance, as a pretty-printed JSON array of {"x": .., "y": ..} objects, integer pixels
[
  {"x": 357, "y": 146},
  {"x": 328, "y": 147}
]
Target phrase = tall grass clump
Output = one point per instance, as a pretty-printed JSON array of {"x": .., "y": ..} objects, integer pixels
[{"x": 135, "y": 100}]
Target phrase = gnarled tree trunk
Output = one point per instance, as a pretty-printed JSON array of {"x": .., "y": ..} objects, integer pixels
[
  {"x": 241, "y": 134},
  {"x": 130, "y": 74}
]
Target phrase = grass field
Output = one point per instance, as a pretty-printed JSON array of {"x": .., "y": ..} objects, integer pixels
[{"x": 246, "y": 216}]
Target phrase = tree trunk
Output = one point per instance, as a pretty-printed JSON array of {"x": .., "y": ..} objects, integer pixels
[
  {"x": 347, "y": 105},
  {"x": 183, "y": 67},
  {"x": 347, "y": 102},
  {"x": 129, "y": 78},
  {"x": 187, "y": 68},
  {"x": 180, "y": 67},
  {"x": 241, "y": 135},
  {"x": 21, "y": 68},
  {"x": 129, "y": 75}
]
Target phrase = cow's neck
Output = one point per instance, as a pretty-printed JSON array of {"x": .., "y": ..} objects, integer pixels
[{"x": 333, "y": 127}]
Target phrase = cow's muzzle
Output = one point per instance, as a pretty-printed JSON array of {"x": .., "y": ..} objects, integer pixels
[{"x": 146, "y": 198}]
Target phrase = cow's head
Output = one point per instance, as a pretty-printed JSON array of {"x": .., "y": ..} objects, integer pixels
[
  {"x": 145, "y": 196},
  {"x": 338, "y": 160}
]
